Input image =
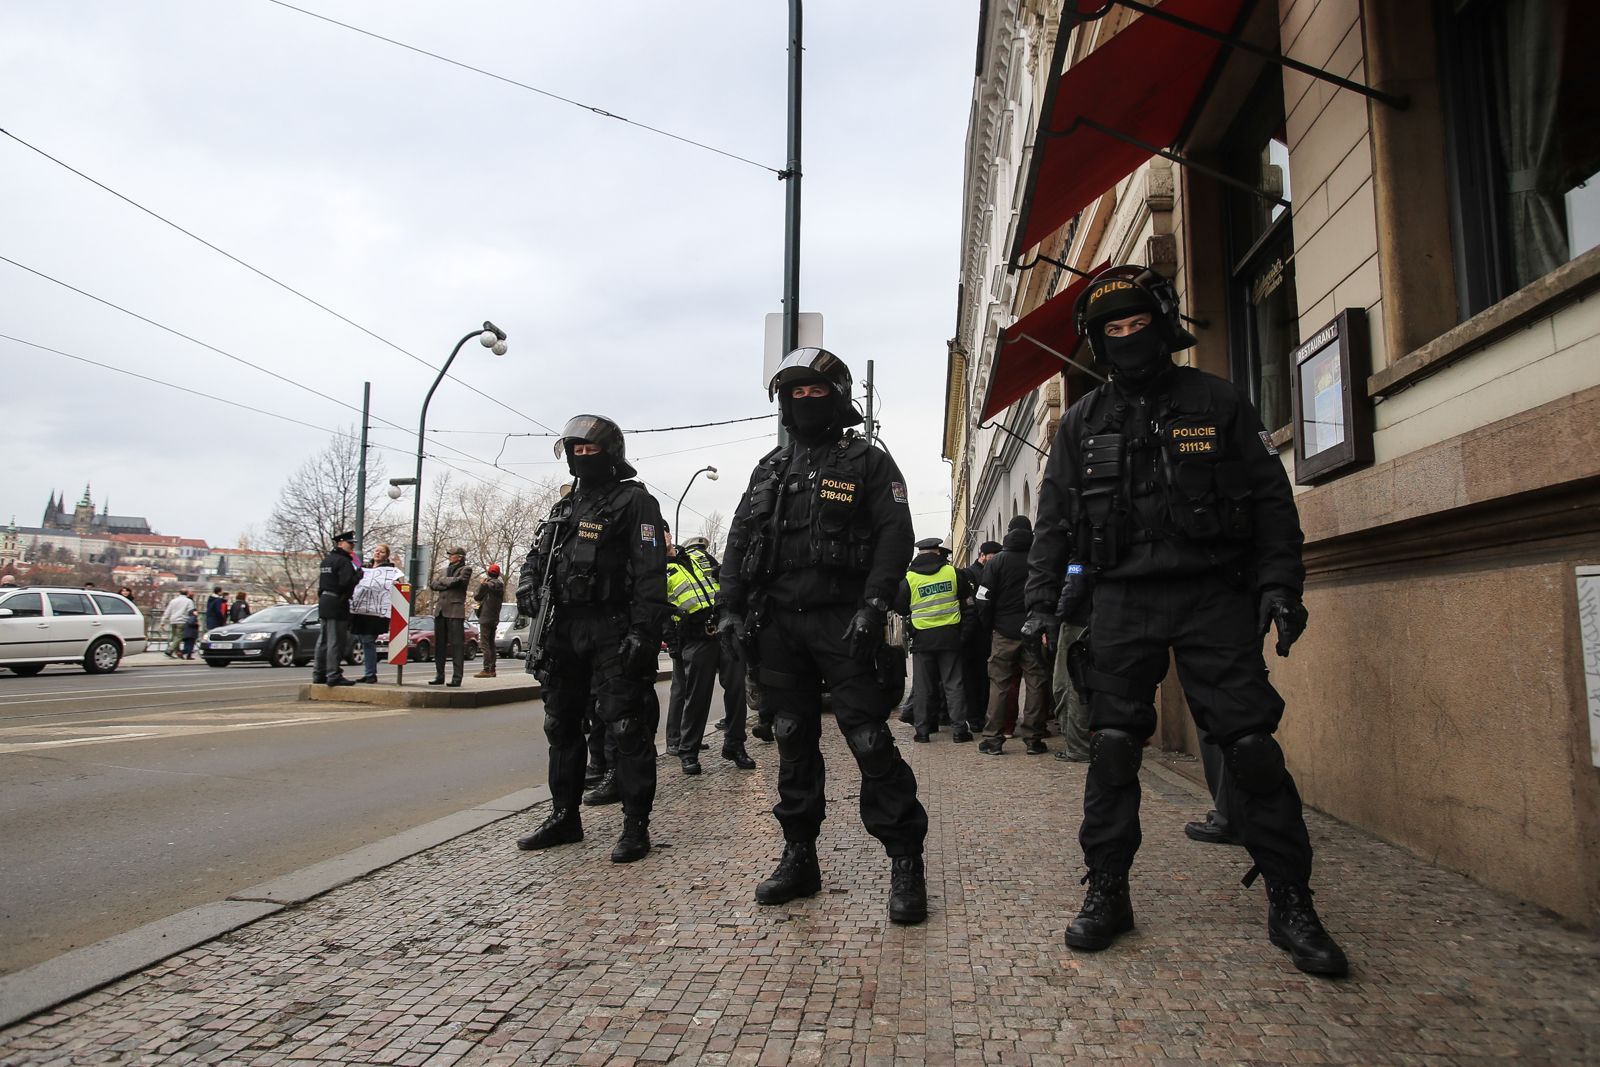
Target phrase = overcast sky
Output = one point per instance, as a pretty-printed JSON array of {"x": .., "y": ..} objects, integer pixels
[{"x": 631, "y": 272}]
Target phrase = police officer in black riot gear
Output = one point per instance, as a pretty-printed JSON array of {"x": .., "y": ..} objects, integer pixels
[
  {"x": 817, "y": 546},
  {"x": 609, "y": 587},
  {"x": 1166, "y": 493}
]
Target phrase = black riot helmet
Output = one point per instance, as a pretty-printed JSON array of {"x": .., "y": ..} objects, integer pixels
[
  {"x": 808, "y": 366},
  {"x": 596, "y": 430},
  {"x": 1127, "y": 290}
]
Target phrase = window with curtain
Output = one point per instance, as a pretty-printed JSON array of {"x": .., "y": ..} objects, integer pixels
[{"x": 1522, "y": 87}]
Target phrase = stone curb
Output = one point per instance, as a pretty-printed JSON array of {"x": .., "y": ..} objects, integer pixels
[
  {"x": 72, "y": 974},
  {"x": 390, "y": 696}
]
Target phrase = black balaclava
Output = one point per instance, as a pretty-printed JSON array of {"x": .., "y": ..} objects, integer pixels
[
  {"x": 590, "y": 469},
  {"x": 1138, "y": 357},
  {"x": 813, "y": 417}
]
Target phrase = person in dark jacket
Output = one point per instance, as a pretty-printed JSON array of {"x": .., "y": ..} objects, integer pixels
[
  {"x": 976, "y": 639},
  {"x": 1166, "y": 493},
  {"x": 335, "y": 585},
  {"x": 817, "y": 546},
  {"x": 450, "y": 617},
  {"x": 1004, "y": 609},
  {"x": 216, "y": 608},
  {"x": 606, "y": 559},
  {"x": 931, "y": 596},
  {"x": 240, "y": 609},
  {"x": 491, "y": 595}
]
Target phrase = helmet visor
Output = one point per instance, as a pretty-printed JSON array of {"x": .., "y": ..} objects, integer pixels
[
  {"x": 807, "y": 365},
  {"x": 595, "y": 429}
]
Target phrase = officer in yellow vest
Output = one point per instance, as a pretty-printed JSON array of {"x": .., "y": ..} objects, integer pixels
[
  {"x": 931, "y": 596},
  {"x": 692, "y": 590}
]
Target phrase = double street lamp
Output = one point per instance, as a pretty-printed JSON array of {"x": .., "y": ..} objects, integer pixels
[{"x": 491, "y": 337}]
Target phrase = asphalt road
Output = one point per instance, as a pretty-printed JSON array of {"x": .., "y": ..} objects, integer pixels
[{"x": 131, "y": 796}]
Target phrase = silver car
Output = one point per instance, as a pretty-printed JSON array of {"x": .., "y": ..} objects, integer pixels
[
  {"x": 511, "y": 636},
  {"x": 54, "y": 624}
]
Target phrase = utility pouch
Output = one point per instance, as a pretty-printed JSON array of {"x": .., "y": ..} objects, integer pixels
[
  {"x": 1104, "y": 456},
  {"x": 1233, "y": 487},
  {"x": 1105, "y": 459},
  {"x": 1195, "y": 509}
]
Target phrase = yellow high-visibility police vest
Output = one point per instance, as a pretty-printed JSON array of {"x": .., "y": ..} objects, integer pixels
[
  {"x": 690, "y": 589},
  {"x": 934, "y": 602}
]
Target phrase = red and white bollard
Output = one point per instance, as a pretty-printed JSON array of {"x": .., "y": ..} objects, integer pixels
[{"x": 399, "y": 627}]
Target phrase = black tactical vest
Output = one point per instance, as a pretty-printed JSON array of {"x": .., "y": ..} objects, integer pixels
[
  {"x": 804, "y": 516},
  {"x": 1158, "y": 467},
  {"x": 592, "y": 557}
]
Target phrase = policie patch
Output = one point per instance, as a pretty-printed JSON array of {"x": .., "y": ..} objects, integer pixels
[
  {"x": 898, "y": 491},
  {"x": 1195, "y": 440},
  {"x": 647, "y": 533},
  {"x": 1266, "y": 442},
  {"x": 590, "y": 530}
]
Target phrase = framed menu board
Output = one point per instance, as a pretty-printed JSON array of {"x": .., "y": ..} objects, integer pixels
[{"x": 1332, "y": 417}]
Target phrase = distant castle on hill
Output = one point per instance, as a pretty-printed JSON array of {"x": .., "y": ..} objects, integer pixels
[{"x": 84, "y": 521}]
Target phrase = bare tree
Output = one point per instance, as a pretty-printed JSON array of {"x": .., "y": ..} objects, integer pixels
[
  {"x": 318, "y": 501},
  {"x": 714, "y": 530}
]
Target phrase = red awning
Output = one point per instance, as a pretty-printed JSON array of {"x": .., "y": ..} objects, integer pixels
[
  {"x": 1020, "y": 365},
  {"x": 1143, "y": 83}
]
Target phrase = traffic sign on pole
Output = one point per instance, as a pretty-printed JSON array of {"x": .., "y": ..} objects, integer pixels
[{"x": 399, "y": 622}]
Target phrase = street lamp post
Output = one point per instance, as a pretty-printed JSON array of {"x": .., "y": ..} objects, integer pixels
[
  {"x": 491, "y": 337},
  {"x": 711, "y": 475}
]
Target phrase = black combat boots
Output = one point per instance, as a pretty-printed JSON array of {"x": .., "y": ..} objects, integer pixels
[
  {"x": 1293, "y": 926},
  {"x": 634, "y": 844},
  {"x": 561, "y": 827},
  {"x": 797, "y": 875},
  {"x": 604, "y": 792},
  {"x": 908, "y": 891},
  {"x": 1107, "y": 912},
  {"x": 734, "y": 750}
]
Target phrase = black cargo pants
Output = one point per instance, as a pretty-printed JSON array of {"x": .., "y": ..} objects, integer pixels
[
  {"x": 587, "y": 671},
  {"x": 799, "y": 650},
  {"x": 1210, "y": 627}
]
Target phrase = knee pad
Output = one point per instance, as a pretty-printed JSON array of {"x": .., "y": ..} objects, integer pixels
[
  {"x": 873, "y": 747},
  {"x": 787, "y": 732},
  {"x": 628, "y": 732},
  {"x": 556, "y": 731},
  {"x": 1114, "y": 756},
  {"x": 1256, "y": 763}
]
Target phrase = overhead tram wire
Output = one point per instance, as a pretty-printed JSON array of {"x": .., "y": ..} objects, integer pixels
[
  {"x": 229, "y": 355},
  {"x": 285, "y": 286},
  {"x": 652, "y": 429},
  {"x": 256, "y": 270},
  {"x": 407, "y": 452},
  {"x": 599, "y": 111}
]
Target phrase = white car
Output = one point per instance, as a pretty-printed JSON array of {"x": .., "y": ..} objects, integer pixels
[{"x": 51, "y": 624}]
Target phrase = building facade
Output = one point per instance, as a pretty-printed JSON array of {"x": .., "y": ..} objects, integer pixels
[{"x": 1401, "y": 272}]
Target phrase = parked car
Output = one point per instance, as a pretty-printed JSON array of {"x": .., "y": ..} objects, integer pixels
[
  {"x": 284, "y": 635},
  {"x": 423, "y": 642},
  {"x": 53, "y": 624},
  {"x": 511, "y": 636}
]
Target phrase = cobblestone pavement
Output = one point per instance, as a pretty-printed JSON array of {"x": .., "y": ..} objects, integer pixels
[{"x": 474, "y": 953}]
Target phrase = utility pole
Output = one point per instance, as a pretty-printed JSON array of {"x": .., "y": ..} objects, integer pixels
[
  {"x": 361, "y": 476},
  {"x": 791, "y": 202},
  {"x": 872, "y": 425}
]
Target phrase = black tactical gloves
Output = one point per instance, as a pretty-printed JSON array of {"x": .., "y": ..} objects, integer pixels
[
  {"x": 730, "y": 634},
  {"x": 865, "y": 632},
  {"x": 1037, "y": 629},
  {"x": 1281, "y": 607},
  {"x": 639, "y": 654}
]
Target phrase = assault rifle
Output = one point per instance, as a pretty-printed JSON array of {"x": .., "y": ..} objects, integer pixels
[{"x": 540, "y": 628}]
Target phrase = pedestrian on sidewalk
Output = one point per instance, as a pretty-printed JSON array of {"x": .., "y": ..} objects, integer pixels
[
  {"x": 450, "y": 617},
  {"x": 1002, "y": 603},
  {"x": 1164, "y": 482},
  {"x": 490, "y": 596},
  {"x": 603, "y": 550},
  {"x": 335, "y": 585},
  {"x": 173, "y": 617},
  {"x": 817, "y": 547},
  {"x": 190, "y": 632},
  {"x": 976, "y": 640},
  {"x": 216, "y": 608},
  {"x": 371, "y": 606},
  {"x": 240, "y": 609},
  {"x": 931, "y": 595}
]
